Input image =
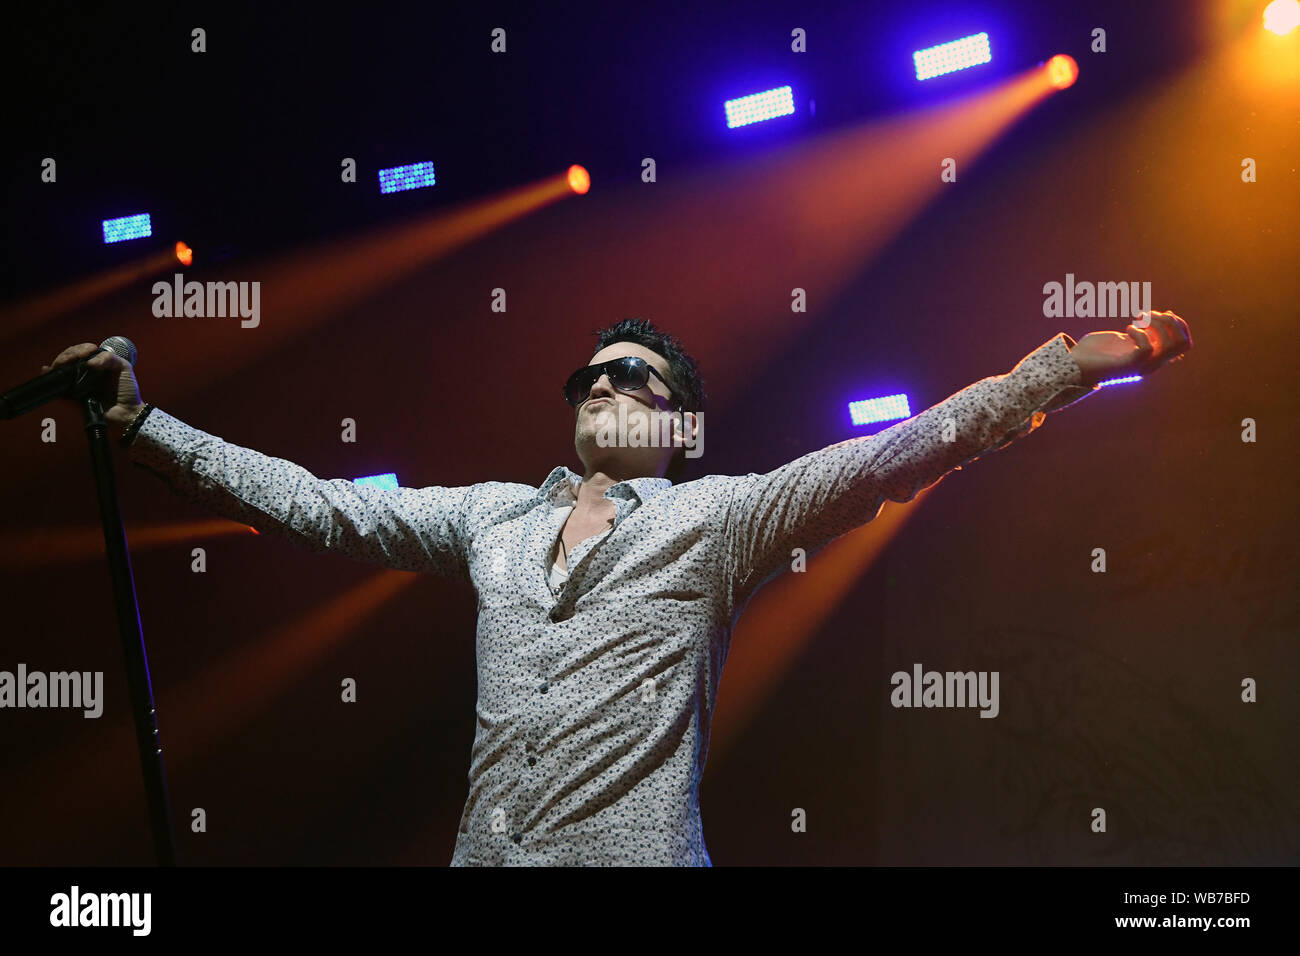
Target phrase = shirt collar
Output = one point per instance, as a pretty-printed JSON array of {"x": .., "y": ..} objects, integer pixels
[{"x": 561, "y": 485}]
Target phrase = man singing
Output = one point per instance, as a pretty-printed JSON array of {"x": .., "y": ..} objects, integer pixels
[{"x": 607, "y": 598}]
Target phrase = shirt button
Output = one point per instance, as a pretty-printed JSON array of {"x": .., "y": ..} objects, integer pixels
[
  {"x": 517, "y": 837},
  {"x": 544, "y": 688},
  {"x": 532, "y": 761}
]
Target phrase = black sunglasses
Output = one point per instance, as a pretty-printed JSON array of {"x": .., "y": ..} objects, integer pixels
[{"x": 626, "y": 374}]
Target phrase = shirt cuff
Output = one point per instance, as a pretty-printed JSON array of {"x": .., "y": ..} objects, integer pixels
[
  {"x": 1051, "y": 372},
  {"x": 161, "y": 442},
  {"x": 1047, "y": 379}
]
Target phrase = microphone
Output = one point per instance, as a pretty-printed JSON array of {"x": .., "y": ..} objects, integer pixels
[{"x": 72, "y": 379}]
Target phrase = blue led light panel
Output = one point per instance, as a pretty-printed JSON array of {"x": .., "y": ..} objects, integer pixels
[
  {"x": 952, "y": 56},
  {"x": 388, "y": 481},
  {"x": 127, "y": 227},
  {"x": 1121, "y": 381},
  {"x": 759, "y": 106},
  {"x": 886, "y": 409},
  {"x": 414, "y": 176}
]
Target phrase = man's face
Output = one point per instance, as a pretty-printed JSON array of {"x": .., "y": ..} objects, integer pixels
[{"x": 599, "y": 414}]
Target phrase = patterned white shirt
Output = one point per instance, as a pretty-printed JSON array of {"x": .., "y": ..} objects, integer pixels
[{"x": 595, "y": 699}]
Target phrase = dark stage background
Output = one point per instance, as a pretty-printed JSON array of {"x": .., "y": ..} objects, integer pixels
[{"x": 1119, "y": 690}]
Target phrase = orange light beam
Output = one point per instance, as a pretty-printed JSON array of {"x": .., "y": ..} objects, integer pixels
[
  {"x": 39, "y": 308},
  {"x": 304, "y": 287},
  {"x": 197, "y": 713},
  {"x": 718, "y": 249},
  {"x": 835, "y": 203},
  {"x": 787, "y": 612},
  {"x": 42, "y": 547},
  {"x": 300, "y": 288}
]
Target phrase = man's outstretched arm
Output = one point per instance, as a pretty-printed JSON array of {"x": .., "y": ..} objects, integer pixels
[
  {"x": 827, "y": 493},
  {"x": 410, "y": 529}
]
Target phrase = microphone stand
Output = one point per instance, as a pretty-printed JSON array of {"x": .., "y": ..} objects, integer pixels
[{"x": 128, "y": 625}]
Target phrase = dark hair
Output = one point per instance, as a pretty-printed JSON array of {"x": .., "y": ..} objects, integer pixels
[{"x": 683, "y": 373}]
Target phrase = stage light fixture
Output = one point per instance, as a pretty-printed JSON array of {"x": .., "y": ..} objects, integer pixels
[
  {"x": 184, "y": 254},
  {"x": 579, "y": 179},
  {"x": 413, "y": 176},
  {"x": 1282, "y": 16},
  {"x": 758, "y": 107},
  {"x": 888, "y": 408},
  {"x": 1062, "y": 71},
  {"x": 388, "y": 481},
  {"x": 127, "y": 227},
  {"x": 952, "y": 56}
]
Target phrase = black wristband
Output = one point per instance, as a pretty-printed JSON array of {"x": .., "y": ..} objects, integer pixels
[{"x": 128, "y": 435}]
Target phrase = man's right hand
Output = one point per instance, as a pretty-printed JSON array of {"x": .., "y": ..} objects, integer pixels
[{"x": 121, "y": 393}]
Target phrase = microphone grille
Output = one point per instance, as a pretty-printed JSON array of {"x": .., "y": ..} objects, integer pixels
[{"x": 121, "y": 345}]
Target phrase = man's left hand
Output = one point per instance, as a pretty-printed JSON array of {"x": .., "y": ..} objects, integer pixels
[{"x": 1156, "y": 339}]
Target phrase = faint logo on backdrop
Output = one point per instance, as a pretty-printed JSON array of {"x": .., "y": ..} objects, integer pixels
[
  {"x": 1081, "y": 728},
  {"x": 1243, "y": 575}
]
